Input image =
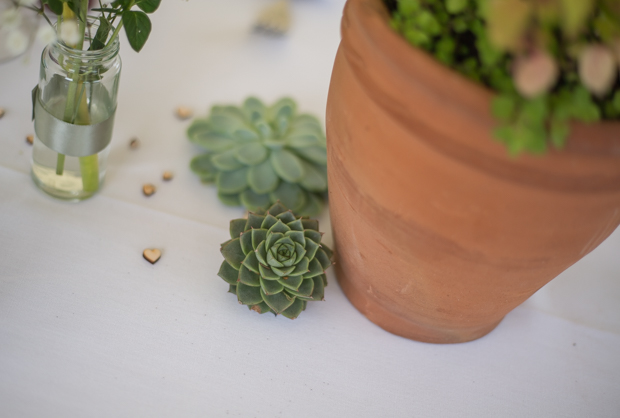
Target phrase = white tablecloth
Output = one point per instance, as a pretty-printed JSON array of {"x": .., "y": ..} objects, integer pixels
[{"x": 88, "y": 328}]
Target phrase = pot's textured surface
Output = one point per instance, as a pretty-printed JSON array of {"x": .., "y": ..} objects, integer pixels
[{"x": 439, "y": 233}]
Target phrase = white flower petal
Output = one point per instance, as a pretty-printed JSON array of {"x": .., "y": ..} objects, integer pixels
[
  {"x": 46, "y": 34},
  {"x": 28, "y": 3},
  {"x": 10, "y": 18},
  {"x": 17, "y": 42},
  {"x": 69, "y": 32}
]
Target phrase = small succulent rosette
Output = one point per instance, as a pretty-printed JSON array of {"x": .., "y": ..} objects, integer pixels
[
  {"x": 257, "y": 155},
  {"x": 275, "y": 262}
]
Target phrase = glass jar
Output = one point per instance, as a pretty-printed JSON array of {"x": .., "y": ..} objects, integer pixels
[{"x": 73, "y": 109}]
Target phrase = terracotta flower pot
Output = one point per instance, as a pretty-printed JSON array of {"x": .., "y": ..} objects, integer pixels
[{"x": 440, "y": 233}]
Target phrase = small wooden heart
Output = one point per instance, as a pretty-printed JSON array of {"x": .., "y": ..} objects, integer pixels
[
  {"x": 148, "y": 189},
  {"x": 152, "y": 255}
]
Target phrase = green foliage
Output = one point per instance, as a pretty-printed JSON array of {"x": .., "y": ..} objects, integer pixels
[
  {"x": 275, "y": 262},
  {"x": 257, "y": 155},
  {"x": 482, "y": 39}
]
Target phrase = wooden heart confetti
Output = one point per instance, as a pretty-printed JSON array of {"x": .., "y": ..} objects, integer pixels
[
  {"x": 30, "y": 139},
  {"x": 148, "y": 189},
  {"x": 184, "y": 113},
  {"x": 134, "y": 143},
  {"x": 167, "y": 176},
  {"x": 152, "y": 255}
]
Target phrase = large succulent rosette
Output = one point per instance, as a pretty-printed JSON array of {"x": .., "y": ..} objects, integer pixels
[
  {"x": 275, "y": 262},
  {"x": 257, "y": 155}
]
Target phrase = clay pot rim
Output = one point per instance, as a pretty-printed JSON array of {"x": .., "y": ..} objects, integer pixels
[{"x": 412, "y": 64}]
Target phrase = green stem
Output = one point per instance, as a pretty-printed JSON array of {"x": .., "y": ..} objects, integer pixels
[{"x": 115, "y": 34}]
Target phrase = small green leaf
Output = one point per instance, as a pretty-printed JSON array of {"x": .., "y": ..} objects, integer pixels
[
  {"x": 279, "y": 227},
  {"x": 261, "y": 308},
  {"x": 228, "y": 273},
  {"x": 101, "y": 36},
  {"x": 230, "y": 182},
  {"x": 292, "y": 282},
  {"x": 290, "y": 194},
  {"x": 237, "y": 226},
  {"x": 559, "y": 131},
  {"x": 286, "y": 217},
  {"x": 267, "y": 273},
  {"x": 294, "y": 310},
  {"x": 319, "y": 288},
  {"x": 233, "y": 253},
  {"x": 202, "y": 165},
  {"x": 258, "y": 236},
  {"x": 248, "y": 277},
  {"x": 296, "y": 225},
  {"x": 322, "y": 258},
  {"x": 261, "y": 254},
  {"x": 316, "y": 154},
  {"x": 148, "y": 6},
  {"x": 311, "y": 224},
  {"x": 254, "y": 109},
  {"x": 287, "y": 165},
  {"x": 278, "y": 302},
  {"x": 269, "y": 221},
  {"x": 246, "y": 242},
  {"x": 252, "y": 153},
  {"x": 301, "y": 268},
  {"x": 313, "y": 235},
  {"x": 315, "y": 268},
  {"x": 226, "y": 161},
  {"x": 456, "y": 6},
  {"x": 254, "y": 201},
  {"x": 251, "y": 262},
  {"x": 254, "y": 221},
  {"x": 277, "y": 208},
  {"x": 271, "y": 239},
  {"x": 283, "y": 272},
  {"x": 305, "y": 289},
  {"x": 271, "y": 287},
  {"x": 315, "y": 178},
  {"x": 229, "y": 199},
  {"x": 262, "y": 178},
  {"x": 503, "y": 107},
  {"x": 54, "y": 5},
  {"x": 137, "y": 27},
  {"x": 248, "y": 295},
  {"x": 311, "y": 248}
]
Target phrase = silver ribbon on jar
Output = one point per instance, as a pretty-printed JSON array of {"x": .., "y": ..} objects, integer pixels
[{"x": 67, "y": 138}]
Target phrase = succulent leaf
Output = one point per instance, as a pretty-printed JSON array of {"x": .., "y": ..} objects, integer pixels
[
  {"x": 275, "y": 144},
  {"x": 271, "y": 287},
  {"x": 254, "y": 221},
  {"x": 228, "y": 273},
  {"x": 258, "y": 236},
  {"x": 292, "y": 195},
  {"x": 237, "y": 226},
  {"x": 287, "y": 165},
  {"x": 251, "y": 262},
  {"x": 248, "y": 295},
  {"x": 262, "y": 178},
  {"x": 254, "y": 201},
  {"x": 267, "y": 273},
  {"x": 233, "y": 253},
  {"x": 229, "y": 199},
  {"x": 296, "y": 225},
  {"x": 294, "y": 310},
  {"x": 278, "y": 302},
  {"x": 252, "y": 153},
  {"x": 277, "y": 269},
  {"x": 292, "y": 282},
  {"x": 246, "y": 243},
  {"x": 248, "y": 277}
]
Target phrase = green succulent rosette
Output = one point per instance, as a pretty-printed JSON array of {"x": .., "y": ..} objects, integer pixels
[
  {"x": 275, "y": 262},
  {"x": 257, "y": 155}
]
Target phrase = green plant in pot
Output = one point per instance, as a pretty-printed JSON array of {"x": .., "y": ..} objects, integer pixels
[
  {"x": 74, "y": 103},
  {"x": 473, "y": 153}
]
